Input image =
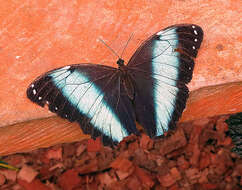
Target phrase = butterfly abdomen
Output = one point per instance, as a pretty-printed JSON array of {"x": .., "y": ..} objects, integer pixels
[{"x": 127, "y": 82}]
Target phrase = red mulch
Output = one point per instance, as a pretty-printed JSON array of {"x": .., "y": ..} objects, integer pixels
[{"x": 197, "y": 155}]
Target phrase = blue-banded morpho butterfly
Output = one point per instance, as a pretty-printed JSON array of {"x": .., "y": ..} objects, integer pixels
[{"x": 151, "y": 89}]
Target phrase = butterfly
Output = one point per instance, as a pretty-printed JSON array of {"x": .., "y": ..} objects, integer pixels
[{"x": 106, "y": 101}]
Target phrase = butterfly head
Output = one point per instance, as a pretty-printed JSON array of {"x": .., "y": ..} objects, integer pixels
[{"x": 120, "y": 62}]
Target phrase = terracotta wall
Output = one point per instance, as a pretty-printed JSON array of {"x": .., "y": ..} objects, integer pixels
[{"x": 37, "y": 36}]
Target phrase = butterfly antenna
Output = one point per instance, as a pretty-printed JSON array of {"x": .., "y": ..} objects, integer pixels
[
  {"x": 109, "y": 47},
  {"x": 126, "y": 44}
]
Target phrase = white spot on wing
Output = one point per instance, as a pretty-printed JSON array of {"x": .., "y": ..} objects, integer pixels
[
  {"x": 195, "y": 32},
  {"x": 32, "y": 85},
  {"x": 195, "y": 39},
  {"x": 34, "y": 91},
  {"x": 167, "y": 34},
  {"x": 159, "y": 33},
  {"x": 88, "y": 99},
  {"x": 193, "y": 47},
  {"x": 67, "y": 67},
  {"x": 193, "y": 26},
  {"x": 39, "y": 97}
]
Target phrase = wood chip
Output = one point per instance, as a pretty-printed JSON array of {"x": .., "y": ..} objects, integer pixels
[{"x": 27, "y": 173}]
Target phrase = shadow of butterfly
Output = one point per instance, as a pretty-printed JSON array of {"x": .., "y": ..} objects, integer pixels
[{"x": 151, "y": 89}]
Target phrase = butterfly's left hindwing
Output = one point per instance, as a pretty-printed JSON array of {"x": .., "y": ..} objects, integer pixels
[
  {"x": 90, "y": 94},
  {"x": 161, "y": 67}
]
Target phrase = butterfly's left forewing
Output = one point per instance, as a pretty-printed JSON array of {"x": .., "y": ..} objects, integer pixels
[
  {"x": 161, "y": 67},
  {"x": 90, "y": 94}
]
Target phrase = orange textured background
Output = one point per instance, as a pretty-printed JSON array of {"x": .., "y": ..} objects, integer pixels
[{"x": 37, "y": 36}]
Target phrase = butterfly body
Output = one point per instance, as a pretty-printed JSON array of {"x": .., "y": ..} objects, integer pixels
[
  {"x": 126, "y": 79},
  {"x": 151, "y": 89}
]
